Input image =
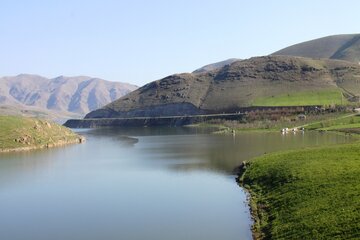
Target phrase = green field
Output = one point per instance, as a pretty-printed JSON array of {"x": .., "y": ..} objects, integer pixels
[
  {"x": 349, "y": 121},
  {"x": 306, "y": 194},
  {"x": 18, "y": 132},
  {"x": 325, "y": 97}
]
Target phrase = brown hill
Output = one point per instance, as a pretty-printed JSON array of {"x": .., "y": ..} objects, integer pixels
[
  {"x": 342, "y": 47},
  {"x": 284, "y": 80}
]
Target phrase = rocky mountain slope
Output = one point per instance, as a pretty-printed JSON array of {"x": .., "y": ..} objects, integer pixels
[
  {"x": 241, "y": 84},
  {"x": 61, "y": 95},
  {"x": 343, "y": 47}
]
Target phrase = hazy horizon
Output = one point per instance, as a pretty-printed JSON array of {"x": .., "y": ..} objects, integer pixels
[{"x": 138, "y": 41}]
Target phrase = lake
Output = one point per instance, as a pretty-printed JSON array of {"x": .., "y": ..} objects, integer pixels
[{"x": 137, "y": 183}]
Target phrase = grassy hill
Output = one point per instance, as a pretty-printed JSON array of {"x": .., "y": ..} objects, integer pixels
[
  {"x": 260, "y": 81},
  {"x": 20, "y": 133},
  {"x": 343, "y": 47},
  {"x": 306, "y": 194}
]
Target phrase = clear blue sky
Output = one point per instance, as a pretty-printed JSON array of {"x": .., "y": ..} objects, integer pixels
[{"x": 140, "y": 41}]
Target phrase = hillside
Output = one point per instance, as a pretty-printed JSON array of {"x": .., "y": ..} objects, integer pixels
[
  {"x": 215, "y": 66},
  {"x": 60, "y": 96},
  {"x": 19, "y": 133},
  {"x": 285, "y": 80},
  {"x": 342, "y": 47}
]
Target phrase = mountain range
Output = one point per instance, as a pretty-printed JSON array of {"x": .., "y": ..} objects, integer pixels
[
  {"x": 59, "y": 97},
  {"x": 316, "y": 72}
]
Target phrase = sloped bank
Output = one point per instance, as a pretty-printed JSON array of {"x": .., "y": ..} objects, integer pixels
[
  {"x": 23, "y": 134},
  {"x": 49, "y": 145},
  {"x": 305, "y": 194}
]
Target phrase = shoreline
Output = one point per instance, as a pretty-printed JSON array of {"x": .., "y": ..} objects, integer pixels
[
  {"x": 252, "y": 203},
  {"x": 255, "y": 213},
  {"x": 340, "y": 128}
]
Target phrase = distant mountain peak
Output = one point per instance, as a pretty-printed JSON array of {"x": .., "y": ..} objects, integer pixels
[
  {"x": 62, "y": 94},
  {"x": 215, "y": 66}
]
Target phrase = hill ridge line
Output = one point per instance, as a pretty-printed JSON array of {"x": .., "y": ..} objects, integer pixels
[{"x": 348, "y": 44}]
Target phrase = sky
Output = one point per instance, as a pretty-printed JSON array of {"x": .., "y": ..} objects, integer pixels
[{"x": 139, "y": 41}]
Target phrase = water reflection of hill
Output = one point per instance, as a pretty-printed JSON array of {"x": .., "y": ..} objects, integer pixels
[
  {"x": 179, "y": 149},
  {"x": 223, "y": 152}
]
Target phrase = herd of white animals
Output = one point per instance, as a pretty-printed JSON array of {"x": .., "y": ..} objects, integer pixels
[{"x": 286, "y": 130}]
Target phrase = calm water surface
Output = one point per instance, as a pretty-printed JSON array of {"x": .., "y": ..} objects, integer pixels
[{"x": 146, "y": 183}]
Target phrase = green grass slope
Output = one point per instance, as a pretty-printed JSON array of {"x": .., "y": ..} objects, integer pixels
[
  {"x": 305, "y": 98},
  {"x": 307, "y": 194},
  {"x": 349, "y": 123},
  {"x": 20, "y": 133}
]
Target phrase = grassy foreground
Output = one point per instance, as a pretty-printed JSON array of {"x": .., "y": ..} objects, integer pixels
[
  {"x": 20, "y": 133},
  {"x": 306, "y": 194}
]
